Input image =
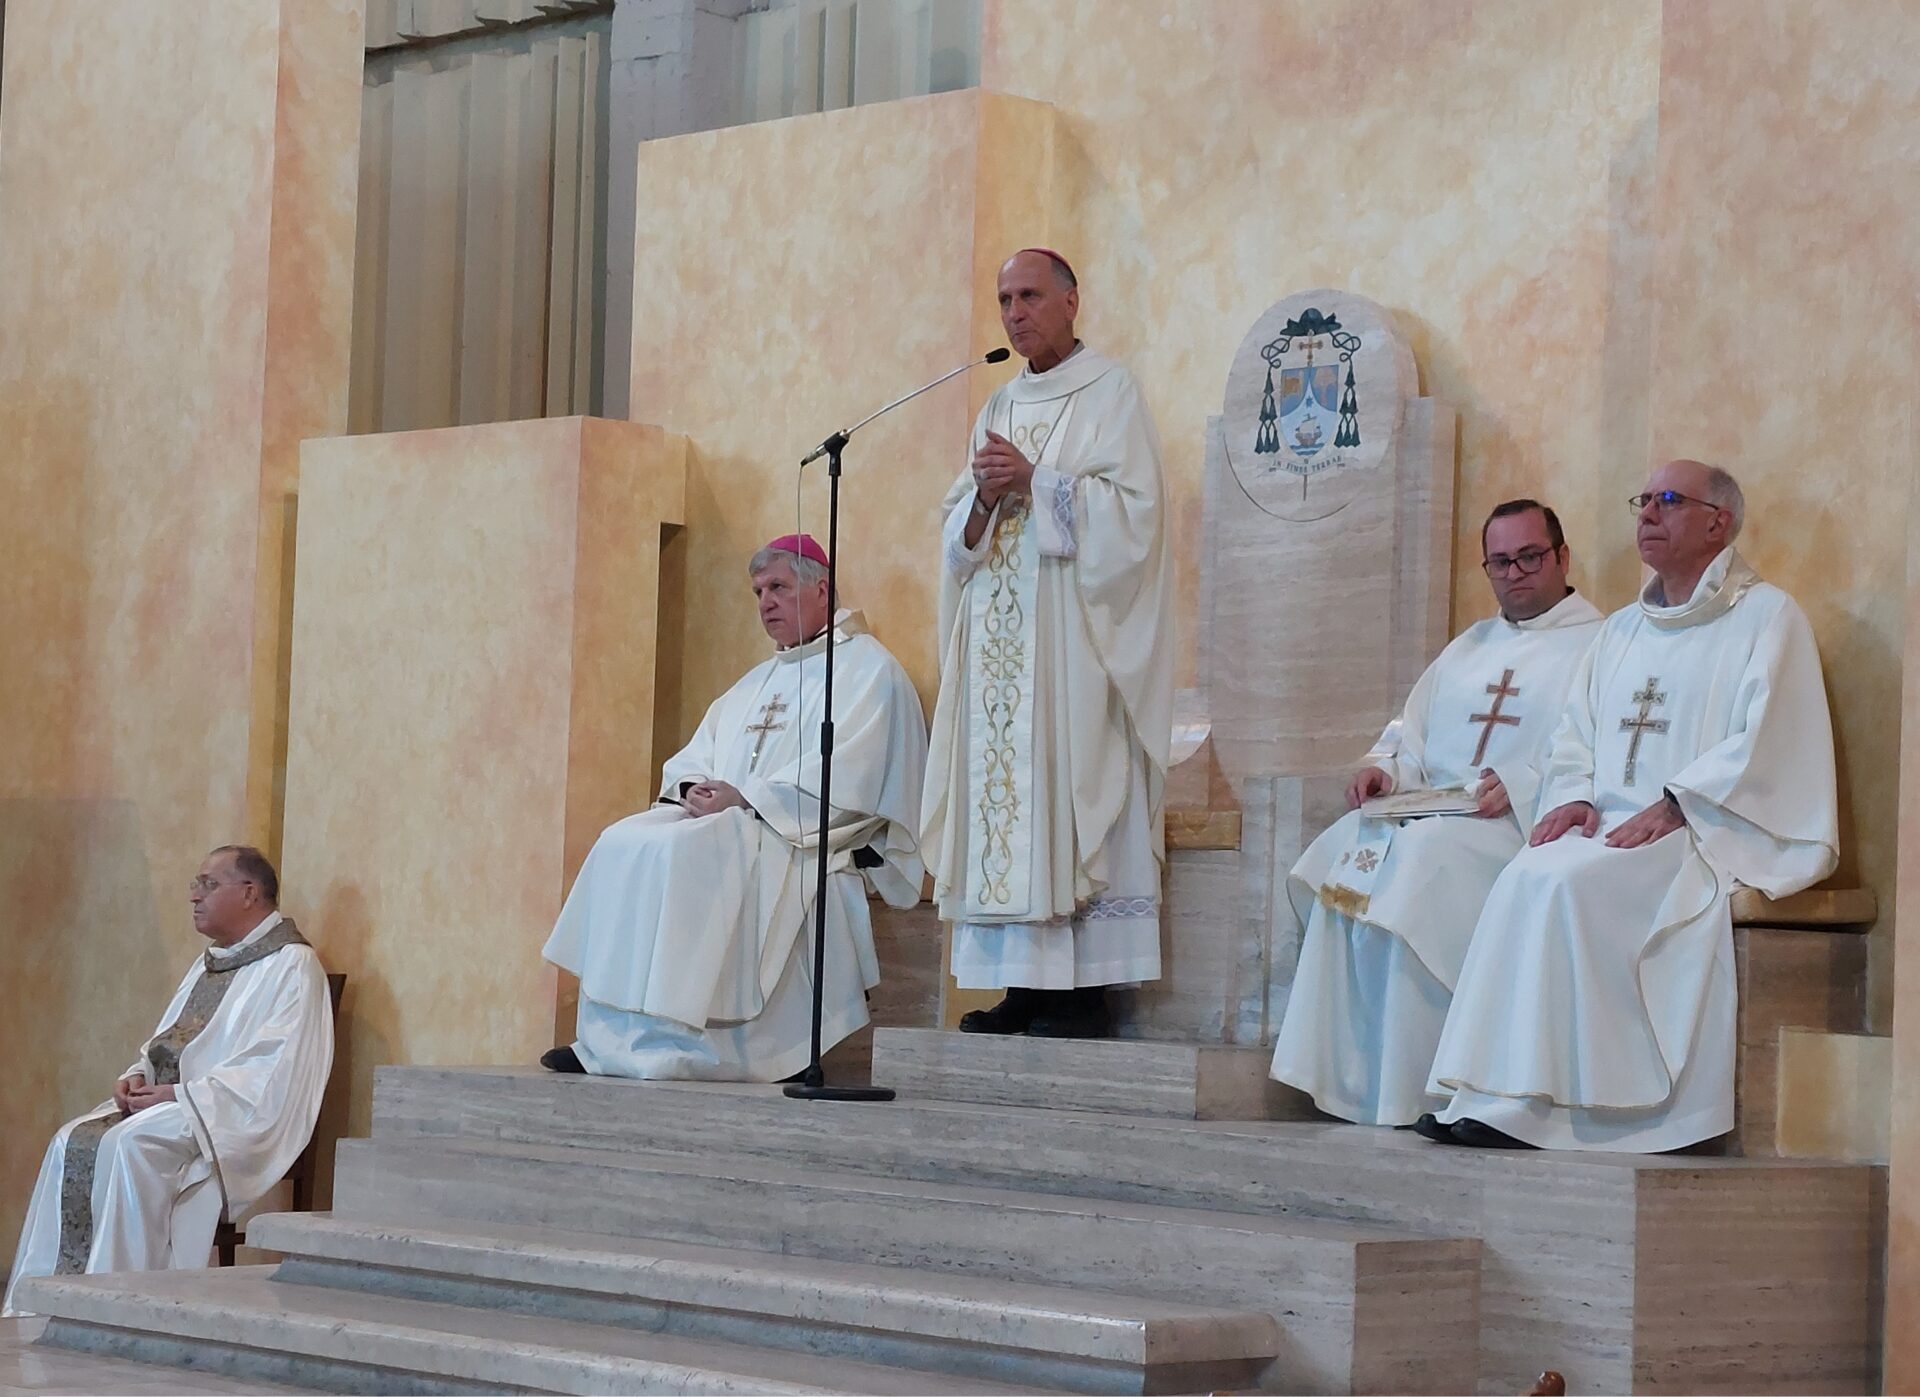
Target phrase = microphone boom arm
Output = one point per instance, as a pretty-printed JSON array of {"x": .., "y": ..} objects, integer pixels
[{"x": 839, "y": 438}]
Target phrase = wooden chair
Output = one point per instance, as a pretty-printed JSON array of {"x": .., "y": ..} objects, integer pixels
[{"x": 227, "y": 1237}]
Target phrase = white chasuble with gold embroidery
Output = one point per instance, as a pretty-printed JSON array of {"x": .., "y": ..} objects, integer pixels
[
  {"x": 1596, "y": 1008},
  {"x": 1003, "y": 612},
  {"x": 1042, "y": 813}
]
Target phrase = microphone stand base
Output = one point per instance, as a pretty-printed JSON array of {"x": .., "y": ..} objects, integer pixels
[{"x": 801, "y": 1091}]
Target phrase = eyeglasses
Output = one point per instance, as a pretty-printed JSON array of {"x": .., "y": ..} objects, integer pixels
[
  {"x": 1666, "y": 499},
  {"x": 207, "y": 887},
  {"x": 1526, "y": 562}
]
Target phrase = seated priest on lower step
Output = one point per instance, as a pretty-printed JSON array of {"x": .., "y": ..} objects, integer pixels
[
  {"x": 1597, "y": 1008},
  {"x": 214, "y": 1111},
  {"x": 691, "y": 924},
  {"x": 1388, "y": 904}
]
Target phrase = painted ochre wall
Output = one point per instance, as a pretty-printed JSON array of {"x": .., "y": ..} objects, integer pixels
[
  {"x": 176, "y": 232},
  {"x": 1612, "y": 232}
]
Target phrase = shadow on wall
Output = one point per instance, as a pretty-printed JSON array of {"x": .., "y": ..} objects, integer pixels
[
  {"x": 343, "y": 935},
  {"x": 89, "y": 968}
]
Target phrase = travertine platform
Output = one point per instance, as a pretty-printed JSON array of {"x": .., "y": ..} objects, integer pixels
[
  {"x": 931, "y": 1241},
  {"x": 1046, "y": 1336},
  {"x": 1128, "y": 1076},
  {"x": 245, "y": 1322}
]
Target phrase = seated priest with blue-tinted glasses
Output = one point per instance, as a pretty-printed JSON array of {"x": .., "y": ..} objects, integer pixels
[{"x": 216, "y": 1108}]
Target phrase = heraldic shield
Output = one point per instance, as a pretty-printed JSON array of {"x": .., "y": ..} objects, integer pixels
[
  {"x": 1314, "y": 403},
  {"x": 1309, "y": 407}
]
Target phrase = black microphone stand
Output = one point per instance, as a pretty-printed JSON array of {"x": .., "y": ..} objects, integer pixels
[{"x": 812, "y": 1085}]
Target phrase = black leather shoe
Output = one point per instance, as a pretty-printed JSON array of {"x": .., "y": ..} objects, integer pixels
[
  {"x": 1482, "y": 1136},
  {"x": 1080, "y": 1013},
  {"x": 562, "y": 1059},
  {"x": 1010, "y": 1015},
  {"x": 1428, "y": 1127}
]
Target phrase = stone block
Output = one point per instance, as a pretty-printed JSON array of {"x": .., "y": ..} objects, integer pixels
[
  {"x": 1835, "y": 1096},
  {"x": 1627, "y": 1272},
  {"x": 1145, "y": 1077},
  {"x": 1788, "y": 978},
  {"x": 1327, "y": 1283},
  {"x": 241, "y": 1321},
  {"x": 1055, "y": 1338},
  {"x": 475, "y": 624},
  {"x": 1325, "y": 467}
]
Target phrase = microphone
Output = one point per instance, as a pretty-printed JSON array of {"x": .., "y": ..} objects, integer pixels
[{"x": 839, "y": 438}]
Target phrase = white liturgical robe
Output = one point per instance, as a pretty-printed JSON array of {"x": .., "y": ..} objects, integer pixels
[
  {"x": 1389, "y": 905},
  {"x": 692, "y": 936},
  {"x": 1596, "y": 1008},
  {"x": 1042, "y": 817},
  {"x": 247, "y": 1044}
]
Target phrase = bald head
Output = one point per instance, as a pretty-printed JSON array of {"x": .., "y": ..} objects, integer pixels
[
  {"x": 1692, "y": 511},
  {"x": 1704, "y": 482},
  {"x": 1032, "y": 259},
  {"x": 1038, "y": 305}
]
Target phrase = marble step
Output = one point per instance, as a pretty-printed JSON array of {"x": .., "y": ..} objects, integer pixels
[
  {"x": 1128, "y": 1076},
  {"x": 1316, "y": 1169},
  {"x": 1780, "y": 1249},
  {"x": 244, "y": 1323},
  {"x": 1052, "y": 1337},
  {"x": 1360, "y": 1308}
]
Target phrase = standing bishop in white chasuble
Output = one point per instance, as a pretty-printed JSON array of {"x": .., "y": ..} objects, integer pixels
[
  {"x": 214, "y": 1111},
  {"x": 690, "y": 924},
  {"x": 1042, "y": 820},
  {"x": 1388, "y": 903},
  {"x": 1597, "y": 1006}
]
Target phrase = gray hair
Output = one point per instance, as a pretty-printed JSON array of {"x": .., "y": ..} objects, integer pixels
[
  {"x": 1723, "y": 492},
  {"x": 253, "y": 867},
  {"x": 805, "y": 571}
]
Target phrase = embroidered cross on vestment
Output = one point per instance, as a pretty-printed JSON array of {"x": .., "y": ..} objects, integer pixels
[
  {"x": 764, "y": 726},
  {"x": 1494, "y": 717},
  {"x": 1642, "y": 725}
]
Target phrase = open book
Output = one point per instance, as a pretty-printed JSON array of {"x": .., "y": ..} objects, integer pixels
[{"x": 1450, "y": 800}]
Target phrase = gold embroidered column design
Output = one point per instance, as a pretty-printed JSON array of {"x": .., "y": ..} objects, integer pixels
[{"x": 1003, "y": 668}]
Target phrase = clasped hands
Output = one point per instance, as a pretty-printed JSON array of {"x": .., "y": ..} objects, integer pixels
[
  {"x": 1000, "y": 468},
  {"x": 132, "y": 1094},
  {"x": 1371, "y": 781},
  {"x": 711, "y": 797},
  {"x": 1657, "y": 821}
]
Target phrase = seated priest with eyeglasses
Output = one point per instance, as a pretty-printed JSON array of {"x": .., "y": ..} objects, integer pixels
[
  {"x": 1387, "y": 901},
  {"x": 1596, "y": 1009},
  {"x": 214, "y": 1111},
  {"x": 691, "y": 923}
]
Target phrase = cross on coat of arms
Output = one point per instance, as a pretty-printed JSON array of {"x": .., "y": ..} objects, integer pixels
[{"x": 1315, "y": 415}]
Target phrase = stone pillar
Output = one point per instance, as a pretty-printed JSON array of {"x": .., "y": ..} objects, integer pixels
[
  {"x": 176, "y": 212},
  {"x": 673, "y": 71},
  {"x": 475, "y": 632}
]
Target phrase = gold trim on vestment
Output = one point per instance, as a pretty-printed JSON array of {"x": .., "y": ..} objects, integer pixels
[
  {"x": 1335, "y": 898},
  {"x": 1003, "y": 666}
]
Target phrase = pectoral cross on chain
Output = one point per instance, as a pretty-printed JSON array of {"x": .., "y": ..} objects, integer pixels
[
  {"x": 1494, "y": 717},
  {"x": 766, "y": 725},
  {"x": 1642, "y": 725}
]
